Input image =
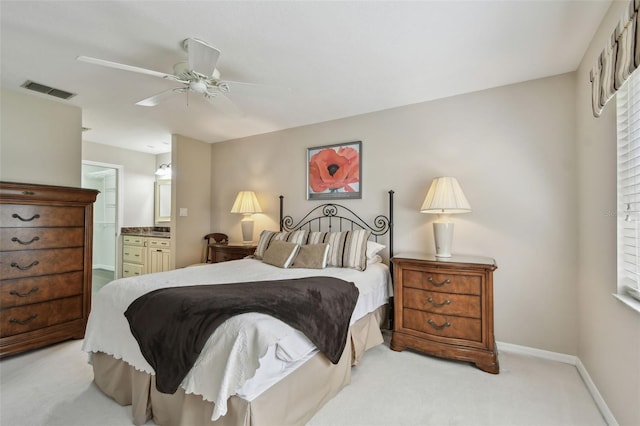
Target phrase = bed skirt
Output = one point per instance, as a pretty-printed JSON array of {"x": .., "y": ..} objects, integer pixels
[{"x": 292, "y": 401}]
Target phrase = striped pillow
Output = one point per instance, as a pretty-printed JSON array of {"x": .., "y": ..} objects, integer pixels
[
  {"x": 347, "y": 249},
  {"x": 298, "y": 237}
]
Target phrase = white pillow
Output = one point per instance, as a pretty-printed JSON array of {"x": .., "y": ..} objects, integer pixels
[
  {"x": 374, "y": 259},
  {"x": 373, "y": 249}
]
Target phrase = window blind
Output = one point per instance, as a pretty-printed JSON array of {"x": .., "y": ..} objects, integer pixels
[{"x": 628, "y": 107}]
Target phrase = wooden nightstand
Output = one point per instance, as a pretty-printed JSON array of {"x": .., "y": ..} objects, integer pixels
[
  {"x": 230, "y": 251},
  {"x": 444, "y": 307}
]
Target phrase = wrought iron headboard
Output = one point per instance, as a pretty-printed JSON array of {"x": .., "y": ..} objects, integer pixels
[{"x": 330, "y": 215}]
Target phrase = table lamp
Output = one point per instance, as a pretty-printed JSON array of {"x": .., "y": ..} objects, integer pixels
[
  {"x": 247, "y": 204},
  {"x": 445, "y": 197}
]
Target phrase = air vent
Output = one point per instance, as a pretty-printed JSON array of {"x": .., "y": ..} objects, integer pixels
[{"x": 41, "y": 88}]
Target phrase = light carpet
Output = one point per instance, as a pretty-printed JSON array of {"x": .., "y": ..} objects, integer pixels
[{"x": 53, "y": 386}]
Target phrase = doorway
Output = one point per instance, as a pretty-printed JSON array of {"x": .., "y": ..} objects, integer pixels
[{"x": 105, "y": 178}]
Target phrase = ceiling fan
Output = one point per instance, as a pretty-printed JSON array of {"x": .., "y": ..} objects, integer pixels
[{"x": 198, "y": 75}]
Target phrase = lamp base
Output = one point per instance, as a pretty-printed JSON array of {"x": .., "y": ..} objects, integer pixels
[
  {"x": 443, "y": 235},
  {"x": 247, "y": 230}
]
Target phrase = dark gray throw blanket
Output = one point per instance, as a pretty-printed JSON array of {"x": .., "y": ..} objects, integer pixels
[{"x": 173, "y": 324}]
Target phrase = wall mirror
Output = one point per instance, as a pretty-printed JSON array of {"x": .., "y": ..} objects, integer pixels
[{"x": 163, "y": 201}]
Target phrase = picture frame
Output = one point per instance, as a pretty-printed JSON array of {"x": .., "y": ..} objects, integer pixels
[{"x": 334, "y": 172}]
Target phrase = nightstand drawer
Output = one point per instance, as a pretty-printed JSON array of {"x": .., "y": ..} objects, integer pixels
[
  {"x": 442, "y": 303},
  {"x": 223, "y": 256},
  {"x": 230, "y": 251},
  {"x": 433, "y": 280},
  {"x": 441, "y": 325}
]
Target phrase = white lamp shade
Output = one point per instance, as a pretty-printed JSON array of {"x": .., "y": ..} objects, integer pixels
[
  {"x": 445, "y": 196},
  {"x": 246, "y": 202}
]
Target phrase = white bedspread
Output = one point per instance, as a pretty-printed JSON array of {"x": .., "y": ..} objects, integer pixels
[{"x": 242, "y": 340}]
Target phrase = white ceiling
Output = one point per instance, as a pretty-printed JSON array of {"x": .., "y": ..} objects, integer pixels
[{"x": 338, "y": 59}]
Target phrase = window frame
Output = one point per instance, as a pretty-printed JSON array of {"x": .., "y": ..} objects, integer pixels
[{"x": 628, "y": 191}]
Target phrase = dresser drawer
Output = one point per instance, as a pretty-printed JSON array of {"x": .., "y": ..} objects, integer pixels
[
  {"x": 437, "y": 280},
  {"x": 442, "y": 303},
  {"x": 32, "y": 317},
  {"x": 12, "y": 239},
  {"x": 19, "y": 216},
  {"x": 441, "y": 325},
  {"x": 25, "y": 291},
  {"x": 131, "y": 270},
  {"x": 22, "y": 264},
  {"x": 133, "y": 254},
  {"x": 133, "y": 240}
]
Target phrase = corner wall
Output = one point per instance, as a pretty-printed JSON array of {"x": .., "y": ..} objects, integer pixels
[
  {"x": 512, "y": 149},
  {"x": 609, "y": 331},
  {"x": 190, "y": 189},
  {"x": 40, "y": 140}
]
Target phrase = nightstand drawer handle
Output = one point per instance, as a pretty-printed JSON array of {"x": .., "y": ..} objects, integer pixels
[
  {"x": 447, "y": 281},
  {"x": 439, "y": 305},
  {"x": 439, "y": 327}
]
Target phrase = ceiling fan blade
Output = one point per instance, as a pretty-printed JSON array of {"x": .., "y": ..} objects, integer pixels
[
  {"x": 124, "y": 67},
  {"x": 156, "y": 99},
  {"x": 242, "y": 88},
  {"x": 202, "y": 56}
]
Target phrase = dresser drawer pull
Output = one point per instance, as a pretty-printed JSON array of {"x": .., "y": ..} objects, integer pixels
[
  {"x": 439, "y": 327},
  {"x": 24, "y": 243},
  {"x": 447, "y": 281},
  {"x": 439, "y": 305},
  {"x": 17, "y": 216},
  {"x": 25, "y": 322},
  {"x": 15, "y": 293},
  {"x": 24, "y": 268},
  {"x": 28, "y": 193}
]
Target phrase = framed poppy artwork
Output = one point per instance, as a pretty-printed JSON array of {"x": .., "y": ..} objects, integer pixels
[{"x": 334, "y": 171}]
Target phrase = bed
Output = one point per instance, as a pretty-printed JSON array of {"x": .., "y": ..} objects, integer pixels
[{"x": 254, "y": 369}]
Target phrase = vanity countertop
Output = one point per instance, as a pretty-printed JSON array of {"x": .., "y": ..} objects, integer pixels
[{"x": 157, "y": 232}]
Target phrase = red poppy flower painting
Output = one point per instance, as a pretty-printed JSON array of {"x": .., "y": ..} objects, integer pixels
[{"x": 334, "y": 171}]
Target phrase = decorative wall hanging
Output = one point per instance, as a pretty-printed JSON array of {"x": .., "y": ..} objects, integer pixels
[{"x": 334, "y": 171}]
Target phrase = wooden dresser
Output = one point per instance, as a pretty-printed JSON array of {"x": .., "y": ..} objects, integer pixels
[
  {"x": 444, "y": 307},
  {"x": 45, "y": 264},
  {"x": 222, "y": 252}
]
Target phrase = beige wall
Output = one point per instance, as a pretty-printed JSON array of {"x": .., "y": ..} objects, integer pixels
[
  {"x": 512, "y": 150},
  {"x": 191, "y": 190},
  {"x": 609, "y": 332},
  {"x": 40, "y": 140},
  {"x": 139, "y": 180}
]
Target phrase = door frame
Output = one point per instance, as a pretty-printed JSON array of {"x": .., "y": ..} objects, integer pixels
[{"x": 119, "y": 168}]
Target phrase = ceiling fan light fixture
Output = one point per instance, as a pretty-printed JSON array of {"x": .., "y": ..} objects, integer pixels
[{"x": 198, "y": 86}]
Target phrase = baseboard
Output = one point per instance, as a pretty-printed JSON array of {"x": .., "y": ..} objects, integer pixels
[
  {"x": 567, "y": 359},
  {"x": 105, "y": 267},
  {"x": 602, "y": 406},
  {"x": 538, "y": 353}
]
